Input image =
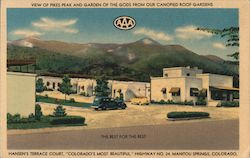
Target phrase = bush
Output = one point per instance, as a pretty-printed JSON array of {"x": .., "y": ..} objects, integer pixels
[
  {"x": 38, "y": 112},
  {"x": 172, "y": 102},
  {"x": 188, "y": 102},
  {"x": 59, "y": 111},
  {"x": 201, "y": 101},
  {"x": 72, "y": 100},
  {"x": 184, "y": 114},
  {"x": 13, "y": 118},
  {"x": 68, "y": 120},
  {"x": 83, "y": 94},
  {"x": 17, "y": 118},
  {"x": 230, "y": 104}
]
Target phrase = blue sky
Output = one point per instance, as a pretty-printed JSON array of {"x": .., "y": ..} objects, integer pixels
[{"x": 167, "y": 26}]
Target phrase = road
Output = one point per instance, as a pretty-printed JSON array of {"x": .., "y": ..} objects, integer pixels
[{"x": 217, "y": 135}]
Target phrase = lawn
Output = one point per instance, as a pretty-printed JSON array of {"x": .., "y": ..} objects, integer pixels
[
  {"x": 62, "y": 102},
  {"x": 44, "y": 123}
]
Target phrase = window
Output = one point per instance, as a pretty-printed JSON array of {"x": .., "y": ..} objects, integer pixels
[
  {"x": 176, "y": 93},
  {"x": 58, "y": 84},
  {"x": 194, "y": 92},
  {"x": 188, "y": 74},
  {"x": 83, "y": 88},
  {"x": 54, "y": 85},
  {"x": 164, "y": 90},
  {"x": 114, "y": 92},
  {"x": 47, "y": 83},
  {"x": 166, "y": 75}
]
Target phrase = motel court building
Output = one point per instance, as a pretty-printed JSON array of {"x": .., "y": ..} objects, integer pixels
[
  {"x": 129, "y": 89},
  {"x": 185, "y": 83}
]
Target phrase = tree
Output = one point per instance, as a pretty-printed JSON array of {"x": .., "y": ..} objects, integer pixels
[
  {"x": 40, "y": 85},
  {"x": 59, "y": 111},
  {"x": 232, "y": 36},
  {"x": 65, "y": 86},
  {"x": 38, "y": 112},
  {"x": 102, "y": 89}
]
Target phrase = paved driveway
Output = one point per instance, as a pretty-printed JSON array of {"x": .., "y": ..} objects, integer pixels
[{"x": 216, "y": 134}]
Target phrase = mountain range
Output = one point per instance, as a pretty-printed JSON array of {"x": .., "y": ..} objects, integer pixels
[{"x": 129, "y": 61}]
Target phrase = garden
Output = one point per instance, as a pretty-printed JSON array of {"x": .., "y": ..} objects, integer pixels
[{"x": 38, "y": 120}]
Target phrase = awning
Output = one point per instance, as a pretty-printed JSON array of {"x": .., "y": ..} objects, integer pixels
[
  {"x": 174, "y": 90},
  {"x": 224, "y": 88},
  {"x": 195, "y": 90}
]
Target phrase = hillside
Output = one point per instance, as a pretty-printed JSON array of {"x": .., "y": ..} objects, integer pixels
[{"x": 131, "y": 61}]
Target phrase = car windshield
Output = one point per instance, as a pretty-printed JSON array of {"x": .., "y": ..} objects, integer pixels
[{"x": 97, "y": 99}]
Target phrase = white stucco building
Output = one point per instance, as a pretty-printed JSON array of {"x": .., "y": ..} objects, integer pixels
[
  {"x": 184, "y": 83},
  {"x": 129, "y": 89},
  {"x": 21, "y": 93}
]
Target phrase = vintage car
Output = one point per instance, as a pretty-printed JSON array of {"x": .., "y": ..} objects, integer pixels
[
  {"x": 103, "y": 103},
  {"x": 140, "y": 101}
]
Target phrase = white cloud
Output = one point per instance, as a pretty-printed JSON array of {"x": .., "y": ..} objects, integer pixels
[
  {"x": 26, "y": 33},
  {"x": 219, "y": 45},
  {"x": 190, "y": 32},
  {"x": 153, "y": 34},
  {"x": 49, "y": 24}
]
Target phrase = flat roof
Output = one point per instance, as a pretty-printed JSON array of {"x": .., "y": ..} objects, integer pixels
[
  {"x": 207, "y": 74},
  {"x": 176, "y": 68}
]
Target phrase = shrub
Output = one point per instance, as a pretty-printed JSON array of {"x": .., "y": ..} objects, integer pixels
[
  {"x": 184, "y": 114},
  {"x": 31, "y": 116},
  {"x": 162, "y": 102},
  {"x": 230, "y": 104},
  {"x": 68, "y": 120},
  {"x": 189, "y": 102},
  {"x": 172, "y": 102},
  {"x": 72, "y": 100},
  {"x": 201, "y": 101},
  {"x": 17, "y": 118},
  {"x": 38, "y": 112},
  {"x": 59, "y": 111},
  {"x": 83, "y": 93}
]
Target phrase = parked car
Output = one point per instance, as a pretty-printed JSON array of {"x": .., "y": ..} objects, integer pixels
[
  {"x": 103, "y": 103},
  {"x": 140, "y": 101}
]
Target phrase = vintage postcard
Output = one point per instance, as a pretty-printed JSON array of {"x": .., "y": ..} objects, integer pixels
[{"x": 125, "y": 79}]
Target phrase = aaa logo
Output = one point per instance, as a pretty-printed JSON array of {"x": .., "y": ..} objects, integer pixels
[{"x": 124, "y": 22}]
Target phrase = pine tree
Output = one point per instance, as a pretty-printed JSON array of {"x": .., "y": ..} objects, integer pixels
[
  {"x": 102, "y": 89},
  {"x": 40, "y": 85},
  {"x": 59, "y": 111},
  {"x": 65, "y": 86}
]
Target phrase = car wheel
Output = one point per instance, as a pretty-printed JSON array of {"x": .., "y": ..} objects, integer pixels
[{"x": 104, "y": 108}]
